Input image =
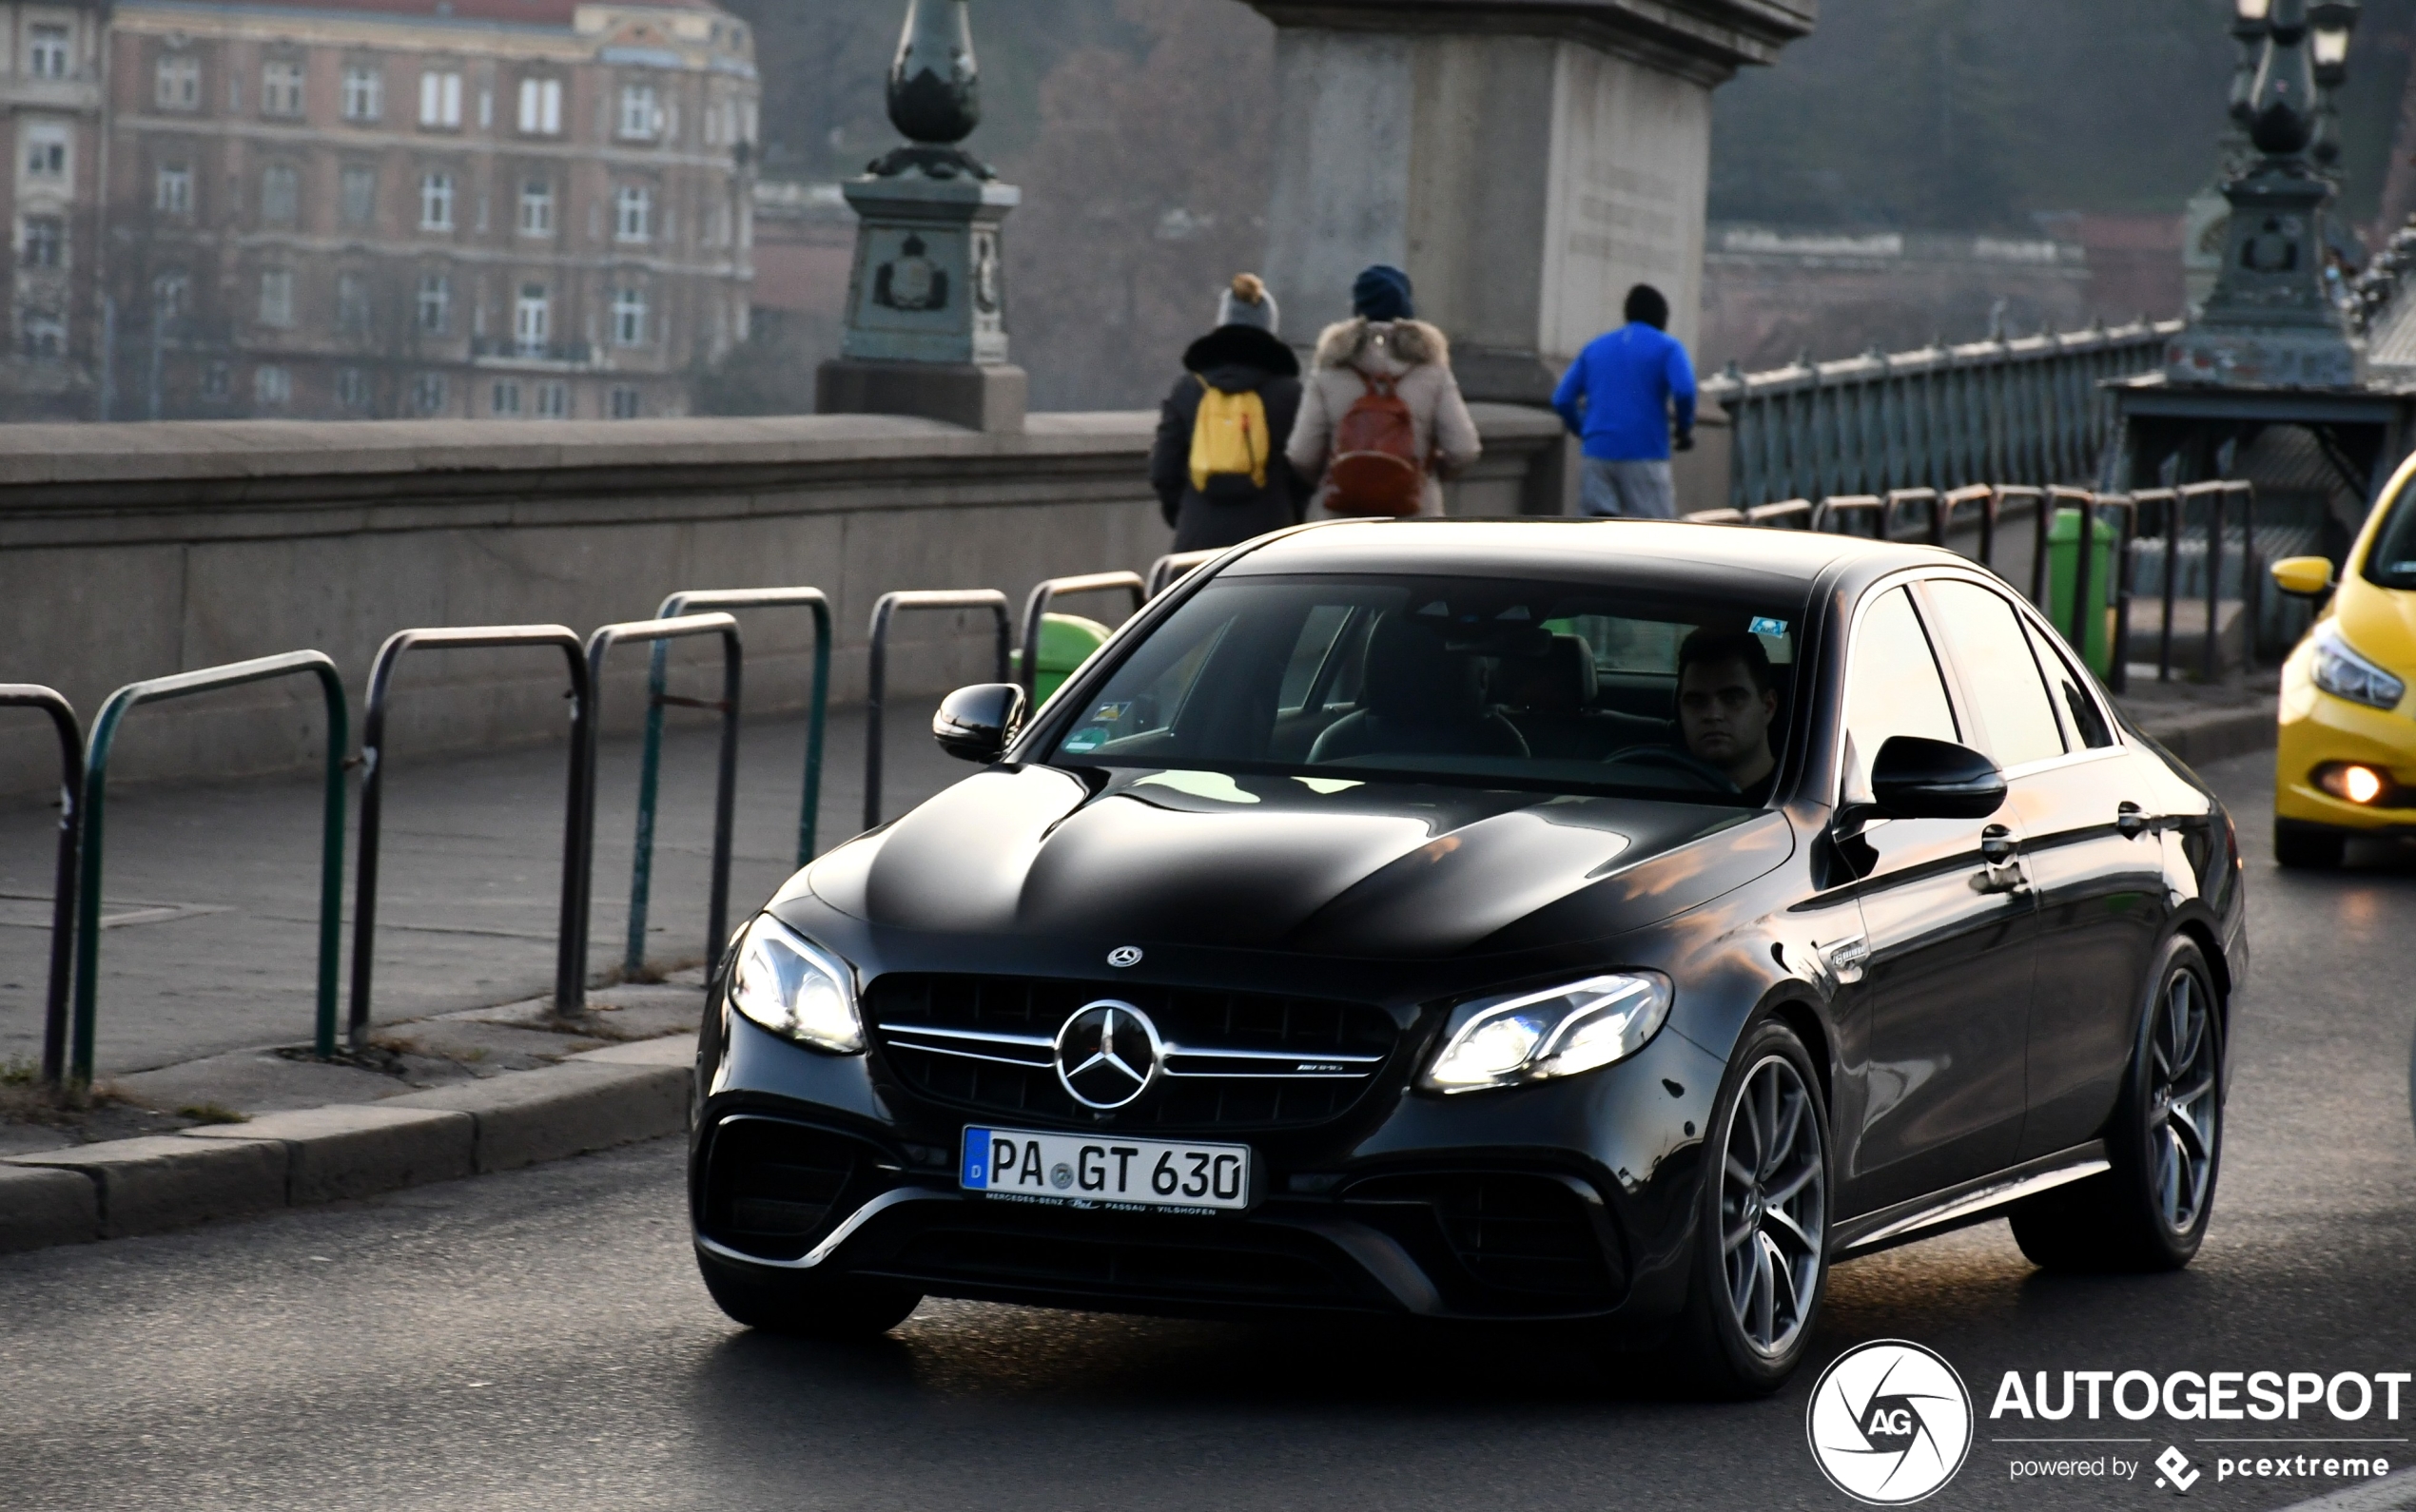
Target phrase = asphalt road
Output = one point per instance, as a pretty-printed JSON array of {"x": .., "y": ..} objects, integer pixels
[{"x": 539, "y": 1340}]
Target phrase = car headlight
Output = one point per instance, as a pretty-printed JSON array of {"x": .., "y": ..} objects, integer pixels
[
  {"x": 2342, "y": 673},
  {"x": 795, "y": 989},
  {"x": 1559, "y": 1032}
]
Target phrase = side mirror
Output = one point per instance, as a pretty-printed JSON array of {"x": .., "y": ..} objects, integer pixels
[
  {"x": 2304, "y": 577},
  {"x": 975, "y": 724},
  {"x": 1934, "y": 779}
]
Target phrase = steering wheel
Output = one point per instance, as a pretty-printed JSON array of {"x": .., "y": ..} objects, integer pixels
[{"x": 1672, "y": 759}]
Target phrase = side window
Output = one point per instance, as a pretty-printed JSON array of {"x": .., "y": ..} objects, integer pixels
[
  {"x": 1892, "y": 686},
  {"x": 1989, "y": 646},
  {"x": 2084, "y": 722}
]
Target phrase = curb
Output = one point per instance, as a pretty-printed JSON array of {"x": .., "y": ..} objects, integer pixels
[
  {"x": 2393, "y": 1494},
  {"x": 161, "y": 1182},
  {"x": 2214, "y": 735}
]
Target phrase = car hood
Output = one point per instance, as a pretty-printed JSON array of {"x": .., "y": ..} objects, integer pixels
[
  {"x": 1317, "y": 866},
  {"x": 2380, "y": 622}
]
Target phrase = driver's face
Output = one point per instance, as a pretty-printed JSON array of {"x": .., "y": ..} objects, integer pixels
[{"x": 1725, "y": 719}]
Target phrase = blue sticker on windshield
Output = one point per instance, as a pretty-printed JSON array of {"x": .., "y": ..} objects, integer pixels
[{"x": 1765, "y": 625}]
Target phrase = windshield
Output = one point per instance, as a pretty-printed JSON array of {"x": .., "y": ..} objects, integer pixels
[
  {"x": 2393, "y": 561},
  {"x": 1561, "y": 686}
]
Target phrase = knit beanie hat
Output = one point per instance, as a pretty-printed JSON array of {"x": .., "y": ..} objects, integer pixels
[
  {"x": 1248, "y": 303},
  {"x": 1382, "y": 293}
]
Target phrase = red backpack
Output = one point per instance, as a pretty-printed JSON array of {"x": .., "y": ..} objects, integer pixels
[{"x": 1376, "y": 467}]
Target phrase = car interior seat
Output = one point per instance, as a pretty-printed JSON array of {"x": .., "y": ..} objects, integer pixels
[{"x": 1418, "y": 698}]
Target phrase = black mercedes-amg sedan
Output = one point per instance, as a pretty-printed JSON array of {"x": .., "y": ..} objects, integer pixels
[{"x": 1607, "y": 922}]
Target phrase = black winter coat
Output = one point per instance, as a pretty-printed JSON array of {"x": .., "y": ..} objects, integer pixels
[{"x": 1235, "y": 359}]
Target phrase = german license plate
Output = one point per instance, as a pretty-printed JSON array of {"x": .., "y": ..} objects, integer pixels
[{"x": 1108, "y": 1172}]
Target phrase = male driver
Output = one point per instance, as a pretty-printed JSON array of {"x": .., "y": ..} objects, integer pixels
[
  {"x": 1726, "y": 703},
  {"x": 1620, "y": 396}
]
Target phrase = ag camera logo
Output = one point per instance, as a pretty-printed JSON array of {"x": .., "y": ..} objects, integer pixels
[{"x": 1890, "y": 1422}]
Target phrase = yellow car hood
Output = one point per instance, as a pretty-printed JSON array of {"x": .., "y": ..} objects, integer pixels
[{"x": 2380, "y": 622}]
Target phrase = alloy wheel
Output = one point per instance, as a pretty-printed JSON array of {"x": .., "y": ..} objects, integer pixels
[
  {"x": 1773, "y": 1206},
  {"x": 2182, "y": 1105}
]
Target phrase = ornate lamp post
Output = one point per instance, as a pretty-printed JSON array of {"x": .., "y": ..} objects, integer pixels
[
  {"x": 2270, "y": 320},
  {"x": 926, "y": 302}
]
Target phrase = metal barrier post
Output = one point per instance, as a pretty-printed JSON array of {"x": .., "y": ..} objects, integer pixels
[
  {"x": 2082, "y": 564},
  {"x": 2119, "y": 645},
  {"x": 1843, "y": 505},
  {"x": 1166, "y": 570},
  {"x": 641, "y": 882},
  {"x": 2252, "y": 571},
  {"x": 2038, "y": 496},
  {"x": 1925, "y": 497},
  {"x": 2209, "y": 658},
  {"x": 331, "y": 861},
  {"x": 570, "y": 984},
  {"x": 1787, "y": 515},
  {"x": 1983, "y": 496},
  {"x": 2167, "y": 504},
  {"x": 876, "y": 692},
  {"x": 1036, "y": 607},
  {"x": 373, "y": 777},
  {"x": 55, "y": 1014}
]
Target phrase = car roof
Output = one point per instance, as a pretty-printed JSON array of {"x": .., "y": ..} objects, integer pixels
[{"x": 1743, "y": 556}]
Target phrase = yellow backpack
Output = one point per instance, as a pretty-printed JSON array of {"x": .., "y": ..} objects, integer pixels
[{"x": 1228, "y": 441}]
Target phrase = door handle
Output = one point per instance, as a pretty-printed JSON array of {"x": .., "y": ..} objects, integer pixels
[
  {"x": 2130, "y": 820},
  {"x": 1996, "y": 845}
]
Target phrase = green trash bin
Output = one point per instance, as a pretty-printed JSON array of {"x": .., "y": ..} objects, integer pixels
[
  {"x": 2063, "y": 569},
  {"x": 1066, "y": 642}
]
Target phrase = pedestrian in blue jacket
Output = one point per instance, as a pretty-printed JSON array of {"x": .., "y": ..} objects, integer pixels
[{"x": 1620, "y": 395}]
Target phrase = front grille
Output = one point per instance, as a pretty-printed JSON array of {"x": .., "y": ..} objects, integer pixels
[
  {"x": 1526, "y": 1234},
  {"x": 771, "y": 1186},
  {"x": 1233, "y": 1060}
]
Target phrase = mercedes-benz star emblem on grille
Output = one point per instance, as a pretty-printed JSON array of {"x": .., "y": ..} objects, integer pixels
[
  {"x": 1108, "y": 1053},
  {"x": 1124, "y": 956}
]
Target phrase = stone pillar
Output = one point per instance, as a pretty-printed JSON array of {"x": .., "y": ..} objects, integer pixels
[
  {"x": 926, "y": 298},
  {"x": 1525, "y": 161}
]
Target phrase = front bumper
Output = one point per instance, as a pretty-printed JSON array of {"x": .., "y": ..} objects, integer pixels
[
  {"x": 2317, "y": 728},
  {"x": 1559, "y": 1201}
]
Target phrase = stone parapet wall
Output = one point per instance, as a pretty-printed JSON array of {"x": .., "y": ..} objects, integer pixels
[{"x": 130, "y": 552}]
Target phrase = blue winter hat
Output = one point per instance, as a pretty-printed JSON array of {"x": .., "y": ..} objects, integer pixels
[{"x": 1382, "y": 293}]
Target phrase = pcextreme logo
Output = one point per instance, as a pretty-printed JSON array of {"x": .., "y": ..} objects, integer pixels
[{"x": 1890, "y": 1422}]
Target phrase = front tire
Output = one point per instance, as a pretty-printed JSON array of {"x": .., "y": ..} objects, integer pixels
[
  {"x": 2165, "y": 1143},
  {"x": 806, "y": 1306},
  {"x": 2307, "y": 847},
  {"x": 1762, "y": 1251}
]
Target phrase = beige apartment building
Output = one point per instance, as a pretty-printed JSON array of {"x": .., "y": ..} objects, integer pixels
[
  {"x": 50, "y": 82},
  {"x": 511, "y": 209}
]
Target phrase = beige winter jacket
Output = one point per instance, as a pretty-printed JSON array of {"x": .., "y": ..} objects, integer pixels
[{"x": 1418, "y": 357}]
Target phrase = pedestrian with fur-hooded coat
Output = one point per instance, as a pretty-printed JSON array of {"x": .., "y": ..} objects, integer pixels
[
  {"x": 1241, "y": 356},
  {"x": 1384, "y": 340}
]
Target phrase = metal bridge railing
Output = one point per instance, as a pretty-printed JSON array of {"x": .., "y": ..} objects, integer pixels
[{"x": 2024, "y": 410}]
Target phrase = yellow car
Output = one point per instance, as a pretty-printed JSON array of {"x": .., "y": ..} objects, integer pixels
[{"x": 2347, "y": 755}]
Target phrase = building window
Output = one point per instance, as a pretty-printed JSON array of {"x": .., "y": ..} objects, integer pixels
[
  {"x": 176, "y": 85},
  {"x": 537, "y": 207},
  {"x": 641, "y": 118},
  {"x": 46, "y": 52},
  {"x": 632, "y": 213},
  {"x": 428, "y": 392},
  {"x": 45, "y": 242},
  {"x": 46, "y": 152},
  {"x": 627, "y": 405},
  {"x": 436, "y": 201},
  {"x": 505, "y": 401},
  {"x": 281, "y": 89},
  {"x": 357, "y": 195},
  {"x": 171, "y": 295},
  {"x": 532, "y": 320},
  {"x": 276, "y": 297},
  {"x": 218, "y": 380},
  {"x": 364, "y": 93},
  {"x": 272, "y": 387},
  {"x": 436, "y": 304},
  {"x": 173, "y": 192},
  {"x": 441, "y": 100},
  {"x": 46, "y": 335},
  {"x": 541, "y": 107},
  {"x": 629, "y": 317},
  {"x": 352, "y": 389},
  {"x": 279, "y": 193},
  {"x": 352, "y": 304},
  {"x": 553, "y": 401}
]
